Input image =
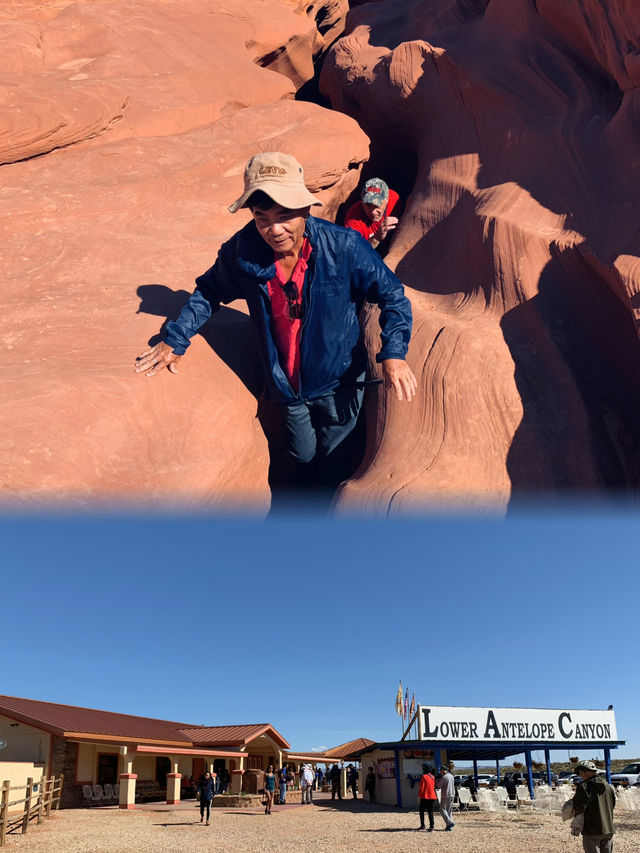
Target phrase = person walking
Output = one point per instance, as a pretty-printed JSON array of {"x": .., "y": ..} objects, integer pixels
[
  {"x": 269, "y": 788},
  {"x": 370, "y": 785},
  {"x": 447, "y": 788},
  {"x": 427, "y": 796},
  {"x": 205, "y": 792},
  {"x": 596, "y": 799}
]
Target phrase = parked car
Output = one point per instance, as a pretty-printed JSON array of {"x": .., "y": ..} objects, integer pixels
[
  {"x": 518, "y": 778},
  {"x": 629, "y": 775},
  {"x": 540, "y": 778},
  {"x": 484, "y": 779}
]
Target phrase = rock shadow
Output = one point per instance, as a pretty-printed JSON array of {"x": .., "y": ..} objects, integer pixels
[
  {"x": 229, "y": 334},
  {"x": 576, "y": 352}
]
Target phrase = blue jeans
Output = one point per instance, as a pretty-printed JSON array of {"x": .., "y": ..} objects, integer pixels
[
  {"x": 283, "y": 792},
  {"x": 319, "y": 433}
]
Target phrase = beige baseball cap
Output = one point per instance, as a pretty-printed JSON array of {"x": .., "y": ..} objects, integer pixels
[{"x": 278, "y": 175}]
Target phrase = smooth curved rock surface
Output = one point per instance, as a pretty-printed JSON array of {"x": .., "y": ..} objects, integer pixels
[
  {"x": 102, "y": 238},
  {"x": 519, "y": 243}
]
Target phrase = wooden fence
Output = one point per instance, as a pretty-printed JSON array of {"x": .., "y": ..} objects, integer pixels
[{"x": 36, "y": 804}]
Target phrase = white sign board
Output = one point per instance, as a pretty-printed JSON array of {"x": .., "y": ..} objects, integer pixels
[
  {"x": 440, "y": 723},
  {"x": 412, "y": 766}
]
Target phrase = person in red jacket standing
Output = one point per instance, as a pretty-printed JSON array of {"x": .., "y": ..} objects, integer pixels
[{"x": 427, "y": 795}]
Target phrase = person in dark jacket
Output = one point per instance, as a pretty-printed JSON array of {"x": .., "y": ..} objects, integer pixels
[
  {"x": 596, "y": 799},
  {"x": 370, "y": 785},
  {"x": 205, "y": 793},
  {"x": 304, "y": 280},
  {"x": 352, "y": 780},
  {"x": 335, "y": 776}
]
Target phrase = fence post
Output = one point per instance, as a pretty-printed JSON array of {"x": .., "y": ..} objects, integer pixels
[
  {"x": 41, "y": 797},
  {"x": 27, "y": 805},
  {"x": 4, "y": 810},
  {"x": 50, "y": 792},
  {"x": 60, "y": 791}
]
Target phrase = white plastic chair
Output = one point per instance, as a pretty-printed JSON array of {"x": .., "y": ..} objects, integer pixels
[
  {"x": 464, "y": 796},
  {"x": 524, "y": 797}
]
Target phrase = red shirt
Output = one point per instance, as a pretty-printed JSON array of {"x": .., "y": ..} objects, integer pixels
[
  {"x": 286, "y": 331},
  {"x": 427, "y": 789},
  {"x": 356, "y": 218}
]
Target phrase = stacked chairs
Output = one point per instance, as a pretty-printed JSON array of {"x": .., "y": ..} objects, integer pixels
[{"x": 628, "y": 799}]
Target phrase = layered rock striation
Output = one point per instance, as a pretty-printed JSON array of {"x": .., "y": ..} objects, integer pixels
[
  {"x": 518, "y": 120},
  {"x": 126, "y": 130}
]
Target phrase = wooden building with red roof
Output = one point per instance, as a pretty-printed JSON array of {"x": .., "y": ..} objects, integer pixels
[{"x": 90, "y": 746}]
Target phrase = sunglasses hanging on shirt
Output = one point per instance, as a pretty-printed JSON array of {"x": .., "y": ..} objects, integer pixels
[{"x": 293, "y": 295}]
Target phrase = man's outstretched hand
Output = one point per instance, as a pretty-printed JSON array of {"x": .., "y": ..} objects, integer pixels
[
  {"x": 399, "y": 376},
  {"x": 154, "y": 360}
]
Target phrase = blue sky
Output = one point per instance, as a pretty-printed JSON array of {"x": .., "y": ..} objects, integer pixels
[{"x": 309, "y": 624}]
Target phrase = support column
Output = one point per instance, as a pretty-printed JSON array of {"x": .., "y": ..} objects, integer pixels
[
  {"x": 607, "y": 763},
  {"x": 127, "y": 780},
  {"x": 398, "y": 780},
  {"x": 527, "y": 755},
  {"x": 475, "y": 772},
  {"x": 547, "y": 758},
  {"x": 173, "y": 783},
  {"x": 498, "y": 770},
  {"x": 236, "y": 781},
  {"x": 343, "y": 782}
]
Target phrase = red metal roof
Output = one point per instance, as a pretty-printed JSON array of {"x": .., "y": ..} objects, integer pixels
[
  {"x": 232, "y": 735},
  {"x": 59, "y": 719},
  {"x": 68, "y": 719},
  {"x": 348, "y": 748}
]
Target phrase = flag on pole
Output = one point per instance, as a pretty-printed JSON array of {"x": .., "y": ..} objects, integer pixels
[
  {"x": 406, "y": 703},
  {"x": 399, "y": 700},
  {"x": 412, "y": 707}
]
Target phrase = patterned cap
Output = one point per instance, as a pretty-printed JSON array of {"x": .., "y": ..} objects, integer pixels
[
  {"x": 375, "y": 191},
  {"x": 586, "y": 765}
]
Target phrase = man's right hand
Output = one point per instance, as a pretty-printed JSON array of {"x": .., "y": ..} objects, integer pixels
[{"x": 154, "y": 360}]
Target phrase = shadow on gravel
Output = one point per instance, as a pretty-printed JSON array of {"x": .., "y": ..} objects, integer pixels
[{"x": 398, "y": 829}]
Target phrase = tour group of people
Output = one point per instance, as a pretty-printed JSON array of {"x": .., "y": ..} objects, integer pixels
[{"x": 592, "y": 805}]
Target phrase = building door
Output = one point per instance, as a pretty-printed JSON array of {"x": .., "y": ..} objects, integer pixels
[
  {"x": 107, "y": 769},
  {"x": 198, "y": 768},
  {"x": 163, "y": 766}
]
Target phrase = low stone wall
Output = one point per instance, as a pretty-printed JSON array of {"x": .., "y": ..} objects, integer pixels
[
  {"x": 237, "y": 801},
  {"x": 249, "y": 801}
]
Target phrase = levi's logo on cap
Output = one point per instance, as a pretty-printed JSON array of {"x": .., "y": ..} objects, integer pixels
[{"x": 271, "y": 170}]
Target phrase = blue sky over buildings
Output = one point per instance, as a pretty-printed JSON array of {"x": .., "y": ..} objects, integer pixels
[{"x": 309, "y": 623}]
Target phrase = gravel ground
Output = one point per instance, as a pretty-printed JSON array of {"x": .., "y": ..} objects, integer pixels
[{"x": 304, "y": 829}]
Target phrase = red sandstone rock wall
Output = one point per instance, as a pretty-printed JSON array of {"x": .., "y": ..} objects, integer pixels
[
  {"x": 519, "y": 245},
  {"x": 126, "y": 128}
]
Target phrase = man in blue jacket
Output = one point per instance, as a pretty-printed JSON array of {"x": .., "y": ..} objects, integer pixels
[{"x": 305, "y": 281}]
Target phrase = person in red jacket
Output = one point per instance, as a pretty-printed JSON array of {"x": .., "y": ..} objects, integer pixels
[
  {"x": 427, "y": 795},
  {"x": 371, "y": 216}
]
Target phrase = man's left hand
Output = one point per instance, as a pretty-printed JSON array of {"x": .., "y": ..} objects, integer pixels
[{"x": 399, "y": 376}]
